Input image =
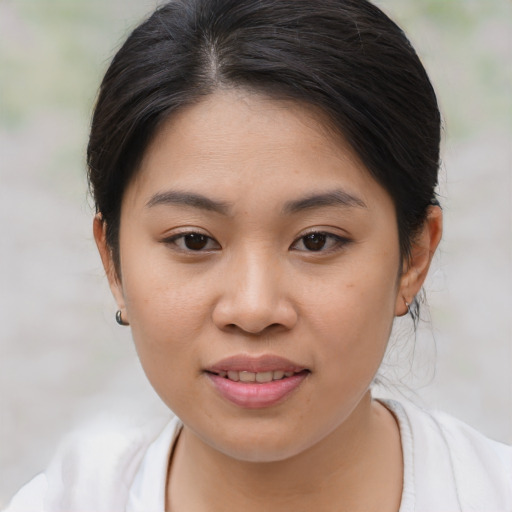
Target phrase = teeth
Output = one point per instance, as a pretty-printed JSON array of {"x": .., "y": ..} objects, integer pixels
[
  {"x": 245, "y": 376},
  {"x": 264, "y": 376}
]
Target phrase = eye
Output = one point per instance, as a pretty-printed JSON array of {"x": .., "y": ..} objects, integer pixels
[
  {"x": 319, "y": 241},
  {"x": 193, "y": 241}
]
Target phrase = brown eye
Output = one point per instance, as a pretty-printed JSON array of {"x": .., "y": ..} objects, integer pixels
[
  {"x": 195, "y": 241},
  {"x": 314, "y": 241},
  {"x": 192, "y": 242},
  {"x": 319, "y": 241}
]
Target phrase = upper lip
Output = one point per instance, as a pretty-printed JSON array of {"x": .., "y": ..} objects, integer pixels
[{"x": 263, "y": 363}]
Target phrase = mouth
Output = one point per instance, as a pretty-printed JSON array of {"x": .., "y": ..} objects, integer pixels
[
  {"x": 256, "y": 383},
  {"x": 258, "y": 377}
]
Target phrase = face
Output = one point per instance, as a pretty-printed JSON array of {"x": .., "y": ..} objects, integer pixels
[{"x": 259, "y": 273}]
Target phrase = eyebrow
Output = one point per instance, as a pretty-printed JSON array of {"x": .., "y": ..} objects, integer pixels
[
  {"x": 330, "y": 198},
  {"x": 172, "y": 197},
  {"x": 316, "y": 200}
]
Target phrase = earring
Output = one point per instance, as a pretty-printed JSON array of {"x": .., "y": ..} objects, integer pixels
[
  {"x": 119, "y": 318},
  {"x": 408, "y": 306}
]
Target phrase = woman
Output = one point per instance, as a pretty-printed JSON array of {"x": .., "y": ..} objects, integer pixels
[{"x": 264, "y": 176}]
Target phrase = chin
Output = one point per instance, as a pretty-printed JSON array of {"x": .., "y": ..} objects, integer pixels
[
  {"x": 261, "y": 453},
  {"x": 261, "y": 444}
]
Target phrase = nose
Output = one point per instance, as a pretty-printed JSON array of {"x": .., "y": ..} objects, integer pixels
[{"x": 253, "y": 297}]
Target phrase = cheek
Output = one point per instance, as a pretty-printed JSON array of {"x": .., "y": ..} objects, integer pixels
[
  {"x": 355, "y": 312},
  {"x": 351, "y": 331},
  {"x": 156, "y": 291},
  {"x": 167, "y": 310}
]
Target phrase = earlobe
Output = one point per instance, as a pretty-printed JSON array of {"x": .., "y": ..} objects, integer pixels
[
  {"x": 417, "y": 265},
  {"x": 99, "y": 230},
  {"x": 400, "y": 309}
]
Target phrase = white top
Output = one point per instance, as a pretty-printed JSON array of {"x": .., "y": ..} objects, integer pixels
[{"x": 448, "y": 467}]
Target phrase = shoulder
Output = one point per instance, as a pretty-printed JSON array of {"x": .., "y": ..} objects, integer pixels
[
  {"x": 462, "y": 441},
  {"x": 449, "y": 458},
  {"x": 93, "y": 469}
]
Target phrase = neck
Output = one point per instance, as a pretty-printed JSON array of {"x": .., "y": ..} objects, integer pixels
[{"x": 356, "y": 467}]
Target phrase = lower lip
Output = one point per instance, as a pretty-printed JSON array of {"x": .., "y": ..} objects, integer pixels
[{"x": 253, "y": 395}]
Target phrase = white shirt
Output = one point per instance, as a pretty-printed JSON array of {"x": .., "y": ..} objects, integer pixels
[{"x": 448, "y": 467}]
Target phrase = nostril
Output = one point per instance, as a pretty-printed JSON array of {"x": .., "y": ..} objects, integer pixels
[
  {"x": 246, "y": 330},
  {"x": 233, "y": 315}
]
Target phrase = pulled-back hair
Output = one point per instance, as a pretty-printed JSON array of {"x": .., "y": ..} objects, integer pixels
[{"x": 345, "y": 58}]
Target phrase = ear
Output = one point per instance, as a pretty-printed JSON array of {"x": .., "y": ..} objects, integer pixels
[
  {"x": 416, "y": 266},
  {"x": 100, "y": 236}
]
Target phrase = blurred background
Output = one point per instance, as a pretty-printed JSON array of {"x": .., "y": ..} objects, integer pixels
[{"x": 63, "y": 359}]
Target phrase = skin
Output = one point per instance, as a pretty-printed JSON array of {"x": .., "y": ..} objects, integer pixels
[{"x": 256, "y": 288}]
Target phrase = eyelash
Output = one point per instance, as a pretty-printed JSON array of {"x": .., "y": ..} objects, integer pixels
[
  {"x": 173, "y": 240},
  {"x": 336, "y": 242}
]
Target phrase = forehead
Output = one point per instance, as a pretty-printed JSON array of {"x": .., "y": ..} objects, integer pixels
[{"x": 240, "y": 144}]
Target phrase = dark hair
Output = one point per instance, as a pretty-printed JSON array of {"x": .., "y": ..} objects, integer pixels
[{"x": 345, "y": 58}]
